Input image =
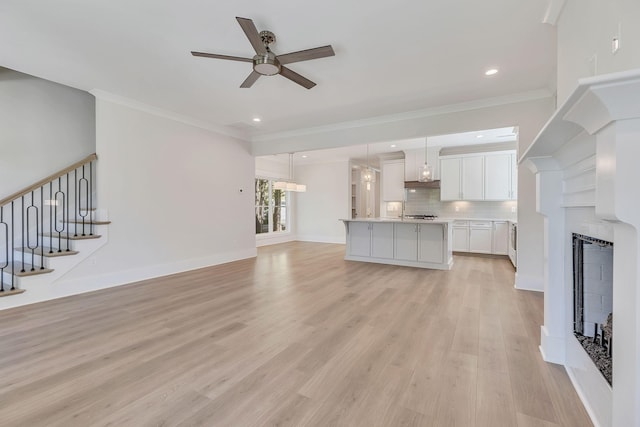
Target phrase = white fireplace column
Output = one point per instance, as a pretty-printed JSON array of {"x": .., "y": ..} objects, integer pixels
[
  {"x": 618, "y": 199},
  {"x": 608, "y": 108},
  {"x": 549, "y": 204}
]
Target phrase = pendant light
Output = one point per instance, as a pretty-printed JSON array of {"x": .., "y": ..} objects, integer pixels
[
  {"x": 368, "y": 174},
  {"x": 290, "y": 185},
  {"x": 425, "y": 173}
]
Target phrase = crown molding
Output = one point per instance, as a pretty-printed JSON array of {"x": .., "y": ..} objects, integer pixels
[
  {"x": 136, "y": 105},
  {"x": 416, "y": 114},
  {"x": 553, "y": 12}
]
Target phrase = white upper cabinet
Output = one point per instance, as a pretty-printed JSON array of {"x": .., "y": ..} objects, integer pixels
[
  {"x": 411, "y": 165},
  {"x": 393, "y": 181},
  {"x": 497, "y": 183},
  {"x": 479, "y": 176},
  {"x": 501, "y": 176},
  {"x": 473, "y": 178},
  {"x": 451, "y": 179}
]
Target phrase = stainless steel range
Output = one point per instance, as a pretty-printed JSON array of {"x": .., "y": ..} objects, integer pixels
[{"x": 422, "y": 216}]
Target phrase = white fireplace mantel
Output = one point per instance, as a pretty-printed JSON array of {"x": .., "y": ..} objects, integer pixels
[{"x": 587, "y": 165}]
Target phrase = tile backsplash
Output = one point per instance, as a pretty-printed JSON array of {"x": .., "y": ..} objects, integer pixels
[{"x": 427, "y": 201}]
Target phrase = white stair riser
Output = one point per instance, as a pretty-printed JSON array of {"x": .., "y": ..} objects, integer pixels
[{"x": 41, "y": 286}]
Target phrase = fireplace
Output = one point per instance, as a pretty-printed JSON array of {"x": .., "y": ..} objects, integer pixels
[{"x": 593, "y": 299}]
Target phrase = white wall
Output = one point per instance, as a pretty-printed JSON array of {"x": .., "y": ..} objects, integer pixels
[
  {"x": 585, "y": 31},
  {"x": 272, "y": 167},
  {"x": 325, "y": 202},
  {"x": 172, "y": 192},
  {"x": 44, "y": 127}
]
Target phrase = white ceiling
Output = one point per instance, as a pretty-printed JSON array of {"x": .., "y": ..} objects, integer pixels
[{"x": 391, "y": 57}]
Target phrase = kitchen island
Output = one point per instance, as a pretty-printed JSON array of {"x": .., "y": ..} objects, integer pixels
[{"x": 407, "y": 242}]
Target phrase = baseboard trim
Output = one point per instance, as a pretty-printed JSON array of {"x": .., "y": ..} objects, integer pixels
[
  {"x": 552, "y": 348},
  {"x": 582, "y": 397},
  {"x": 274, "y": 240},
  {"x": 321, "y": 239},
  {"x": 63, "y": 288},
  {"x": 529, "y": 283}
]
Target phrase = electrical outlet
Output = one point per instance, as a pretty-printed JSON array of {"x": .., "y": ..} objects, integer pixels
[
  {"x": 457, "y": 209},
  {"x": 513, "y": 209}
]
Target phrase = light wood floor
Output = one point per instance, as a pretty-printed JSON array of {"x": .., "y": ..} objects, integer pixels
[{"x": 296, "y": 337}]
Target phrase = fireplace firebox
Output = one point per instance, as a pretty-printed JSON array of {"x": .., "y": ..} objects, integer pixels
[{"x": 593, "y": 299}]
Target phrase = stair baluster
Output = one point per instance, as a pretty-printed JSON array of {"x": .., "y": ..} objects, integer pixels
[
  {"x": 4, "y": 260},
  {"x": 68, "y": 203}
]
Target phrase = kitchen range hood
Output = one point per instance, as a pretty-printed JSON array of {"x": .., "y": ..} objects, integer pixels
[{"x": 418, "y": 184}]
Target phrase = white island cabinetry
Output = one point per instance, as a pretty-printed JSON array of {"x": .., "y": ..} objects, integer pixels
[{"x": 411, "y": 243}]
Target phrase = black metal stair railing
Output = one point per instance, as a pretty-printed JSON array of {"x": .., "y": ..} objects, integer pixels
[{"x": 54, "y": 204}]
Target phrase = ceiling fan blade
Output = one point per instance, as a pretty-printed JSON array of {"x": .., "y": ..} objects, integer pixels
[
  {"x": 305, "y": 55},
  {"x": 216, "y": 56},
  {"x": 296, "y": 78},
  {"x": 252, "y": 34},
  {"x": 249, "y": 81}
]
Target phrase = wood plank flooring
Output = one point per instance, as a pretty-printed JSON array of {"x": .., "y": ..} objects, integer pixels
[{"x": 295, "y": 337}]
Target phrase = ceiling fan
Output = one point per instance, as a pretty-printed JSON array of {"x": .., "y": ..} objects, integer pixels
[{"x": 265, "y": 62}]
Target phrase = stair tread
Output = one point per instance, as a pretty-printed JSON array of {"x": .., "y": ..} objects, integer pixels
[
  {"x": 72, "y": 237},
  {"x": 49, "y": 252},
  {"x": 27, "y": 270},
  {"x": 87, "y": 222},
  {"x": 9, "y": 292}
]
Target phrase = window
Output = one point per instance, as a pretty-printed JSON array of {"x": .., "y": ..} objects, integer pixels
[{"x": 271, "y": 208}]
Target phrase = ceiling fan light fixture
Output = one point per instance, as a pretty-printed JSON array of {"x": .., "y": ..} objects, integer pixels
[{"x": 266, "y": 65}]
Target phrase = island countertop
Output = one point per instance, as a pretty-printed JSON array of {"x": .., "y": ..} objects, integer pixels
[{"x": 402, "y": 220}]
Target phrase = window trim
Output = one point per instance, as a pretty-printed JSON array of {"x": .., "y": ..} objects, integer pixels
[{"x": 270, "y": 233}]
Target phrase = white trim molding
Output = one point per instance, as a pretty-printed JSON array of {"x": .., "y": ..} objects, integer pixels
[
  {"x": 136, "y": 105},
  {"x": 593, "y": 136}
]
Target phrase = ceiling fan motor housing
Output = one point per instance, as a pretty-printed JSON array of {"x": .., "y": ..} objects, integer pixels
[{"x": 267, "y": 37}]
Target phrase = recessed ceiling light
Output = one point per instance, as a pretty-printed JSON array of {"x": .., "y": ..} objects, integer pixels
[
  {"x": 257, "y": 119},
  {"x": 479, "y": 136},
  {"x": 304, "y": 156},
  {"x": 491, "y": 72},
  {"x": 393, "y": 145}
]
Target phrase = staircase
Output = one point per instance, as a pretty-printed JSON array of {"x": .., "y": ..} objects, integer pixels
[{"x": 48, "y": 228}]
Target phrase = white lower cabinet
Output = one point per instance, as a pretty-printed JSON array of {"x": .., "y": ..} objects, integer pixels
[
  {"x": 431, "y": 241},
  {"x": 500, "y": 237},
  {"x": 371, "y": 239},
  {"x": 483, "y": 237},
  {"x": 381, "y": 240},
  {"x": 460, "y": 236},
  {"x": 406, "y": 246},
  {"x": 420, "y": 242},
  {"x": 360, "y": 238},
  {"x": 480, "y": 237}
]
